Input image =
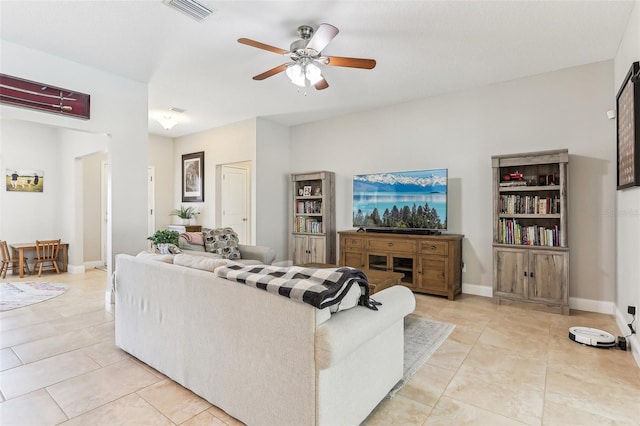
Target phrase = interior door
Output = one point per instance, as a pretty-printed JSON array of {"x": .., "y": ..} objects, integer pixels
[{"x": 234, "y": 201}]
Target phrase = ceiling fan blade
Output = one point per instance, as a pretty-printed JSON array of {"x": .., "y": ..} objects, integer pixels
[
  {"x": 272, "y": 71},
  {"x": 338, "y": 61},
  {"x": 321, "y": 85},
  {"x": 321, "y": 38},
  {"x": 259, "y": 45}
]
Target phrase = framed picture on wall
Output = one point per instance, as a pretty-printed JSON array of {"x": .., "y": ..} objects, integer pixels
[
  {"x": 193, "y": 177},
  {"x": 628, "y": 129},
  {"x": 21, "y": 180}
]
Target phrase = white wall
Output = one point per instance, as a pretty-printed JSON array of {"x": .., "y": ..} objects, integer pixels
[
  {"x": 460, "y": 131},
  {"x": 162, "y": 160},
  {"x": 24, "y": 216},
  {"x": 264, "y": 147},
  {"x": 234, "y": 143},
  {"x": 272, "y": 185},
  {"x": 56, "y": 212},
  {"x": 119, "y": 109},
  {"x": 627, "y": 211}
]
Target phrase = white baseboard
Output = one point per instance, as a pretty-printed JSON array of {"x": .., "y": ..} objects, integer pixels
[
  {"x": 477, "y": 290},
  {"x": 633, "y": 341},
  {"x": 93, "y": 264},
  {"x": 591, "y": 305},
  {"x": 75, "y": 269}
]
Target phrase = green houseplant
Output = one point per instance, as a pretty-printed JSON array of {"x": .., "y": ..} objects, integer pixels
[
  {"x": 164, "y": 236},
  {"x": 185, "y": 213}
]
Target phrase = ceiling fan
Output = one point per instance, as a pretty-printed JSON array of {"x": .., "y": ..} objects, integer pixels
[{"x": 306, "y": 55}]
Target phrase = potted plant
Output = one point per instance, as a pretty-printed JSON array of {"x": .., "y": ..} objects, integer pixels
[
  {"x": 185, "y": 214},
  {"x": 164, "y": 236}
]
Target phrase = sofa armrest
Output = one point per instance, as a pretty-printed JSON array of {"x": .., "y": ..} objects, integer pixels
[
  {"x": 263, "y": 254},
  {"x": 347, "y": 330}
]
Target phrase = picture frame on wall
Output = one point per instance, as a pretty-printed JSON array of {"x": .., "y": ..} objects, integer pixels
[
  {"x": 24, "y": 180},
  {"x": 193, "y": 177},
  {"x": 628, "y": 129}
]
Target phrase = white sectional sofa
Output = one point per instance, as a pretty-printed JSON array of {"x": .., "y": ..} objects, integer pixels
[{"x": 263, "y": 358}]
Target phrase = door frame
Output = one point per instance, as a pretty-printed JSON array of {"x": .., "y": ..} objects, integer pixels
[{"x": 104, "y": 205}]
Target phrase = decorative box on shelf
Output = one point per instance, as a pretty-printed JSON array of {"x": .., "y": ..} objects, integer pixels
[{"x": 185, "y": 228}]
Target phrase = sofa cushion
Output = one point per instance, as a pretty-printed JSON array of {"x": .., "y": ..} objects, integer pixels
[
  {"x": 223, "y": 241},
  {"x": 166, "y": 258},
  {"x": 204, "y": 263}
]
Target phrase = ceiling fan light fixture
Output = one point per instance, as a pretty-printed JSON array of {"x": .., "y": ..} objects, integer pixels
[
  {"x": 312, "y": 73},
  {"x": 296, "y": 74}
]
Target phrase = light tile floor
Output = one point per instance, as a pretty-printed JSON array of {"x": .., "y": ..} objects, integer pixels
[{"x": 501, "y": 365}]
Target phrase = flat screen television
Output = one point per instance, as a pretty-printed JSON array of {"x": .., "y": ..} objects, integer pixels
[{"x": 414, "y": 201}]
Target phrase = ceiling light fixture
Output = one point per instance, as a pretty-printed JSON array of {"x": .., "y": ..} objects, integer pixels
[
  {"x": 301, "y": 72},
  {"x": 167, "y": 121}
]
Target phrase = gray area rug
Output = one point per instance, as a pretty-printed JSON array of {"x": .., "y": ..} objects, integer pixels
[{"x": 422, "y": 337}]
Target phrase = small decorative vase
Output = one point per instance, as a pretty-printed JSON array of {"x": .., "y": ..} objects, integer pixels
[{"x": 183, "y": 221}]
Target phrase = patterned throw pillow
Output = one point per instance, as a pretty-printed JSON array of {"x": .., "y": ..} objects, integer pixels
[{"x": 222, "y": 241}]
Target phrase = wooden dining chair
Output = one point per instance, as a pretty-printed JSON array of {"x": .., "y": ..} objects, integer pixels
[
  {"x": 46, "y": 252},
  {"x": 7, "y": 260}
]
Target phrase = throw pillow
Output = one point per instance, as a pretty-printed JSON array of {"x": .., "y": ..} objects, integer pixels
[{"x": 222, "y": 241}]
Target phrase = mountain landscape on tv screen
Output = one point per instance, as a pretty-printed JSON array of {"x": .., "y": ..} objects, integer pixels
[{"x": 401, "y": 200}]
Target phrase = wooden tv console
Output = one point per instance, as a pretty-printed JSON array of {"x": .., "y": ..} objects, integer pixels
[{"x": 430, "y": 263}]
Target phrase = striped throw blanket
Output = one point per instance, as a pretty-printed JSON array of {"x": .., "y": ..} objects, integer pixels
[{"x": 318, "y": 287}]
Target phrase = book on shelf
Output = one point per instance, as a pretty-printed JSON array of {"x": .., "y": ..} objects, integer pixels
[
  {"x": 308, "y": 225},
  {"x": 309, "y": 207},
  {"x": 529, "y": 204},
  {"x": 511, "y": 231}
]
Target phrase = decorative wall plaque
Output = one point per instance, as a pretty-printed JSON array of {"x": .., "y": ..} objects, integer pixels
[
  {"x": 30, "y": 94},
  {"x": 628, "y": 129}
]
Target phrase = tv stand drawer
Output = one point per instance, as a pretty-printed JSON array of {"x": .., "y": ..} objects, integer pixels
[
  {"x": 351, "y": 243},
  {"x": 440, "y": 248},
  {"x": 390, "y": 244}
]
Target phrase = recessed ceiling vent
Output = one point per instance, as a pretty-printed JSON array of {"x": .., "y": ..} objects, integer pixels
[{"x": 192, "y": 8}]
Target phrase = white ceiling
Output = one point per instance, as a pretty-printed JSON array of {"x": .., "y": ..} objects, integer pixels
[{"x": 422, "y": 48}]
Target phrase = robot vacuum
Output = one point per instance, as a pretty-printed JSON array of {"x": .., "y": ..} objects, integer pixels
[{"x": 592, "y": 337}]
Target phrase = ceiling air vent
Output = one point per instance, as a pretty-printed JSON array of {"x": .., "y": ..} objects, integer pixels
[{"x": 192, "y": 8}]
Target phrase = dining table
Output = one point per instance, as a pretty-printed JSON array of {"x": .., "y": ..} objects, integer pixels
[{"x": 19, "y": 250}]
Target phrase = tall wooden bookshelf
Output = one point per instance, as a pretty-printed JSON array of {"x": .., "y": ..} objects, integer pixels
[
  {"x": 313, "y": 229},
  {"x": 530, "y": 238}
]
